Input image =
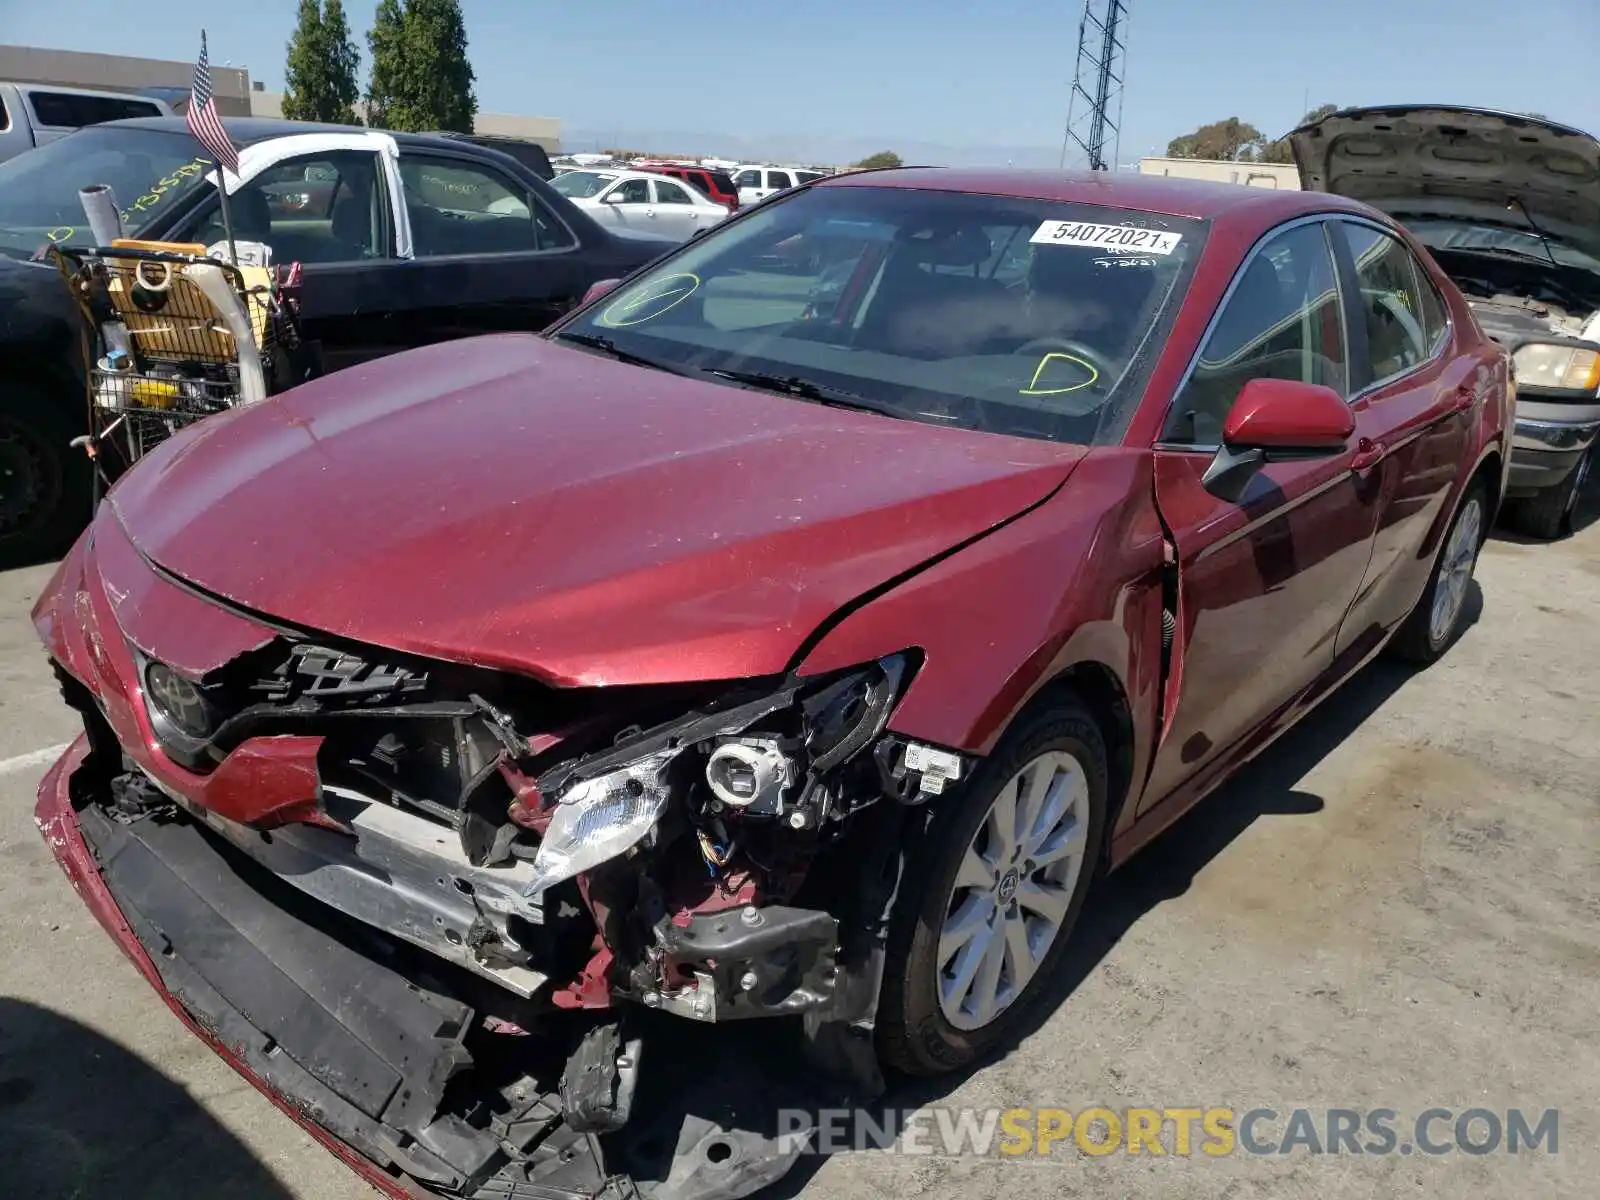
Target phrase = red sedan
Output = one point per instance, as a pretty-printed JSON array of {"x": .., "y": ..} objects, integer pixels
[{"x": 796, "y": 630}]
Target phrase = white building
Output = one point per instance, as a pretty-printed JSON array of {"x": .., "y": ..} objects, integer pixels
[{"x": 1282, "y": 176}]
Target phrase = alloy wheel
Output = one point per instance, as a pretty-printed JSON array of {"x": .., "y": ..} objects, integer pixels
[
  {"x": 1013, "y": 889},
  {"x": 1456, "y": 562}
]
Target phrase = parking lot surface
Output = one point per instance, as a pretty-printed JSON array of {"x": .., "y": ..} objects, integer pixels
[{"x": 1395, "y": 907}]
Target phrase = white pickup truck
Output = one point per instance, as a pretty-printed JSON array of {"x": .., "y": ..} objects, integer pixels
[{"x": 32, "y": 114}]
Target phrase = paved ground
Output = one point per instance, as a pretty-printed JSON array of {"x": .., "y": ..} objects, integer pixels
[{"x": 1396, "y": 907}]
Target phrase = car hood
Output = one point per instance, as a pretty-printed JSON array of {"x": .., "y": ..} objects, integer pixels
[
  {"x": 515, "y": 503},
  {"x": 1438, "y": 161}
]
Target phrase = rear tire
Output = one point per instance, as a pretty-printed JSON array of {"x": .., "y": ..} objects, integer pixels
[
  {"x": 45, "y": 484},
  {"x": 1547, "y": 514},
  {"x": 988, "y": 905},
  {"x": 1435, "y": 623}
]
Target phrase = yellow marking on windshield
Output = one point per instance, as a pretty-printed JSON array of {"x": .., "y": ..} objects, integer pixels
[
  {"x": 1033, "y": 388},
  {"x": 672, "y": 289}
]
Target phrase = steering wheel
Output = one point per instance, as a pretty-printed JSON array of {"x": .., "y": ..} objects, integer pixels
[{"x": 1042, "y": 347}]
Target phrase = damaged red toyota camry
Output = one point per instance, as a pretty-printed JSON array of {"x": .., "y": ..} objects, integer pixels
[{"x": 792, "y": 634}]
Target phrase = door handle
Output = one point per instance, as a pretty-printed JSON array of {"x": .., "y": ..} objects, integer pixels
[{"x": 1368, "y": 454}]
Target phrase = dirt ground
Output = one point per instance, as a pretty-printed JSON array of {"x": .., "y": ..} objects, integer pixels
[{"x": 1395, "y": 907}]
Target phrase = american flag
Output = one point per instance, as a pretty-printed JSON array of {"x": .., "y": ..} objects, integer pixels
[{"x": 202, "y": 117}]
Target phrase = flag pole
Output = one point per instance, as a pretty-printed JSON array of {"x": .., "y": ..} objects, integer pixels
[{"x": 227, "y": 215}]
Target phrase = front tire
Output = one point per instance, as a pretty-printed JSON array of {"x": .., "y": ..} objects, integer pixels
[
  {"x": 1547, "y": 514},
  {"x": 1435, "y": 622},
  {"x": 45, "y": 484},
  {"x": 991, "y": 897}
]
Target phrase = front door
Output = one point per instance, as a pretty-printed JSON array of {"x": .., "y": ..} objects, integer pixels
[
  {"x": 628, "y": 205},
  {"x": 1264, "y": 583},
  {"x": 331, "y": 211},
  {"x": 488, "y": 255}
]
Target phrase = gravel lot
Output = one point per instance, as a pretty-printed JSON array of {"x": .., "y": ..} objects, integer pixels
[{"x": 1395, "y": 907}]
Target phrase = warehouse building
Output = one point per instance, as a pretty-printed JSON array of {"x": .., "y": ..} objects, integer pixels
[
  {"x": 1282, "y": 176},
  {"x": 168, "y": 79}
]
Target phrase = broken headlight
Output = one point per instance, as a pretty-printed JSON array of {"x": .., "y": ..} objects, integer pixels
[
  {"x": 601, "y": 818},
  {"x": 759, "y": 756}
]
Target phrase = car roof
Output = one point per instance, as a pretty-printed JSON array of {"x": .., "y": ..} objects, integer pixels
[{"x": 1151, "y": 193}]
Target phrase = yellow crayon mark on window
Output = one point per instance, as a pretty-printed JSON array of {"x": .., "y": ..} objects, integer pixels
[{"x": 1033, "y": 388}]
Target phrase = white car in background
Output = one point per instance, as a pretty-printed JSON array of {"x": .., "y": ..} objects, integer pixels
[
  {"x": 757, "y": 181},
  {"x": 639, "y": 200}
]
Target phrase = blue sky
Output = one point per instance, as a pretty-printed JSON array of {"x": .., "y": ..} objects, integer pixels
[{"x": 929, "y": 79}]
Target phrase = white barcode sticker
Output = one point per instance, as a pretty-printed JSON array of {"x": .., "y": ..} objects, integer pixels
[
  {"x": 932, "y": 762},
  {"x": 1106, "y": 237}
]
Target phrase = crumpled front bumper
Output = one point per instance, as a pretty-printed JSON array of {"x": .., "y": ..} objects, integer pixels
[{"x": 354, "y": 1051}]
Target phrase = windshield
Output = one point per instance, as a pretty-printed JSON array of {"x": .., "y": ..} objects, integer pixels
[
  {"x": 147, "y": 170},
  {"x": 580, "y": 185},
  {"x": 1466, "y": 236},
  {"x": 1018, "y": 316}
]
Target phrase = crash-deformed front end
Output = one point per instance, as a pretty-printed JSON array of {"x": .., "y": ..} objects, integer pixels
[{"x": 434, "y": 910}]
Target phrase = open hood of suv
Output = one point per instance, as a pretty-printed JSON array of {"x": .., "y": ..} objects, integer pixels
[{"x": 1471, "y": 164}]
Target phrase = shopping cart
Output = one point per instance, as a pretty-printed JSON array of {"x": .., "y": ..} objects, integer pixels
[{"x": 171, "y": 336}]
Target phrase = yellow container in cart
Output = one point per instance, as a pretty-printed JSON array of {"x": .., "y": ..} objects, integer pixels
[{"x": 168, "y": 317}]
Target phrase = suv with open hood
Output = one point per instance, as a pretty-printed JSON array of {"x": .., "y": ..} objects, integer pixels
[{"x": 1509, "y": 206}]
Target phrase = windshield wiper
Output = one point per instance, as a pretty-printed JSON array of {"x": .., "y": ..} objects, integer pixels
[
  {"x": 605, "y": 345},
  {"x": 803, "y": 389}
]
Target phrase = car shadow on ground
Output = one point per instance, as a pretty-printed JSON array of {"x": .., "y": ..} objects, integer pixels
[
  {"x": 82, "y": 1117},
  {"x": 1164, "y": 870}
]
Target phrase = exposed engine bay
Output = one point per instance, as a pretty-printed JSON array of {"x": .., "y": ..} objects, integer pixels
[
  {"x": 708, "y": 853},
  {"x": 1520, "y": 300}
]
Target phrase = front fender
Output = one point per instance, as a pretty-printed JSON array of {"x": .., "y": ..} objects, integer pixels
[{"x": 1075, "y": 581}]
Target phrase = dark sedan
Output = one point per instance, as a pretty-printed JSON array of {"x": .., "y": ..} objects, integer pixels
[{"x": 406, "y": 239}]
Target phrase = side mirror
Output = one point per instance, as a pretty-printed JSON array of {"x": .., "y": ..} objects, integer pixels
[
  {"x": 1277, "y": 420},
  {"x": 615, "y": 197},
  {"x": 598, "y": 289}
]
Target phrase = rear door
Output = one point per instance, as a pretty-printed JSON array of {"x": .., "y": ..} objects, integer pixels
[
  {"x": 1413, "y": 410},
  {"x": 677, "y": 215},
  {"x": 1264, "y": 583},
  {"x": 488, "y": 253}
]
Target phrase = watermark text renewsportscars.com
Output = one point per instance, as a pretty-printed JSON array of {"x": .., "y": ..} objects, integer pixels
[{"x": 1178, "y": 1131}]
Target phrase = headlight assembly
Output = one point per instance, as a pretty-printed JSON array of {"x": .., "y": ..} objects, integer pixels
[
  {"x": 1569, "y": 367},
  {"x": 757, "y": 756},
  {"x": 601, "y": 818}
]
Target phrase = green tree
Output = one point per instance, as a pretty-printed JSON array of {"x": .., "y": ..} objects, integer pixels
[
  {"x": 1230, "y": 139},
  {"x": 428, "y": 78},
  {"x": 386, "y": 45},
  {"x": 320, "y": 77},
  {"x": 883, "y": 158}
]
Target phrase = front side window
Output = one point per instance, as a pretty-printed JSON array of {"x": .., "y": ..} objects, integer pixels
[
  {"x": 458, "y": 207},
  {"x": 630, "y": 191},
  {"x": 749, "y": 179},
  {"x": 1390, "y": 302},
  {"x": 1282, "y": 320},
  {"x": 313, "y": 208},
  {"x": 1027, "y": 317}
]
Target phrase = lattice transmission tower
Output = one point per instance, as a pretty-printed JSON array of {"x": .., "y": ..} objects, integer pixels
[{"x": 1094, "y": 113}]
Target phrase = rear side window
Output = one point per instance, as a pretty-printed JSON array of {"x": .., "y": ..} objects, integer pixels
[
  {"x": 64, "y": 110},
  {"x": 1390, "y": 302},
  {"x": 1435, "y": 313},
  {"x": 1281, "y": 321},
  {"x": 807, "y": 176},
  {"x": 671, "y": 193},
  {"x": 723, "y": 183},
  {"x": 778, "y": 179},
  {"x": 5, "y": 117}
]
